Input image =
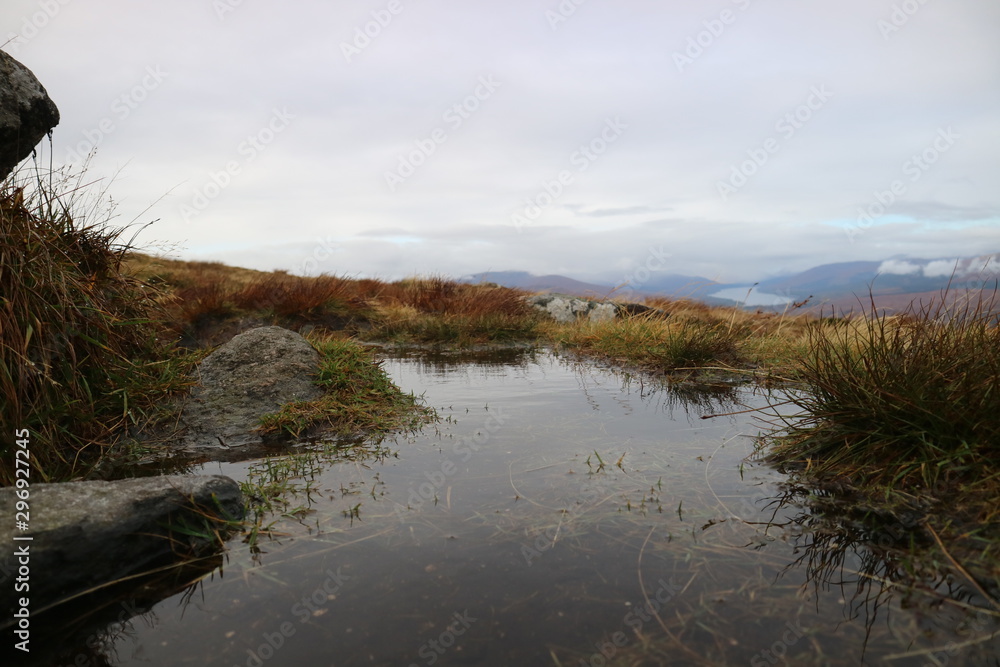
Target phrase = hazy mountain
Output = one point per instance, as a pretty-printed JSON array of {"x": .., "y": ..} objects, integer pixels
[
  {"x": 533, "y": 283},
  {"x": 893, "y": 283},
  {"x": 670, "y": 285},
  {"x": 842, "y": 286}
]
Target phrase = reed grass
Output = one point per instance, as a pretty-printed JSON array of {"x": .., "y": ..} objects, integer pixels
[
  {"x": 81, "y": 361},
  {"x": 653, "y": 343},
  {"x": 415, "y": 310},
  {"x": 909, "y": 400},
  {"x": 695, "y": 337}
]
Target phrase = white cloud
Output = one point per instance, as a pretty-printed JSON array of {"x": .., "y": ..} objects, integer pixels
[
  {"x": 898, "y": 267},
  {"x": 940, "y": 267},
  {"x": 324, "y": 177}
]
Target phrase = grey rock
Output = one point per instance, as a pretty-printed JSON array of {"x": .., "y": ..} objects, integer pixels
[
  {"x": 26, "y": 113},
  {"x": 252, "y": 375},
  {"x": 567, "y": 308},
  {"x": 88, "y": 534}
]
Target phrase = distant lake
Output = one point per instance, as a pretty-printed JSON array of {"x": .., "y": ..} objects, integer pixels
[{"x": 739, "y": 294}]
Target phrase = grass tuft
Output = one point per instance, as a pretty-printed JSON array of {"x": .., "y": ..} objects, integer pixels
[
  {"x": 80, "y": 358},
  {"x": 903, "y": 401}
]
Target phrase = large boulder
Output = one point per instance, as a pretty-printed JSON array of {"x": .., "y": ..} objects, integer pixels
[
  {"x": 86, "y": 535},
  {"x": 252, "y": 375},
  {"x": 26, "y": 113}
]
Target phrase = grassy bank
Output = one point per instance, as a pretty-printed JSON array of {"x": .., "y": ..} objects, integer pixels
[
  {"x": 81, "y": 362},
  {"x": 695, "y": 338},
  {"x": 903, "y": 413},
  {"x": 207, "y": 297},
  {"x": 912, "y": 400},
  {"x": 90, "y": 350}
]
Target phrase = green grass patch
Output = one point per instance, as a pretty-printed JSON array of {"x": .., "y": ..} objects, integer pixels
[
  {"x": 358, "y": 396},
  {"x": 654, "y": 343}
]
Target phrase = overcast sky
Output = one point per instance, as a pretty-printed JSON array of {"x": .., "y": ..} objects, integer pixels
[{"x": 731, "y": 139}]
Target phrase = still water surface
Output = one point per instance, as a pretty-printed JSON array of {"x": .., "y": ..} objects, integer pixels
[{"x": 559, "y": 514}]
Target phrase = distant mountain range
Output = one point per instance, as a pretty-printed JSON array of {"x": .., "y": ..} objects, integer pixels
[
  {"x": 843, "y": 286},
  {"x": 673, "y": 285}
]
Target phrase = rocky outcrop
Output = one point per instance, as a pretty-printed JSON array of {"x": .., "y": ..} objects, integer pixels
[
  {"x": 567, "y": 308},
  {"x": 252, "y": 375},
  {"x": 26, "y": 113},
  {"x": 86, "y": 535}
]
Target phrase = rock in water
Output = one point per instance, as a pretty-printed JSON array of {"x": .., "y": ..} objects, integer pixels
[
  {"x": 252, "y": 375},
  {"x": 26, "y": 113},
  {"x": 88, "y": 534}
]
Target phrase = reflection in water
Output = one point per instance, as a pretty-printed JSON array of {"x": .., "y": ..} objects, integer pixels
[
  {"x": 865, "y": 557},
  {"x": 560, "y": 514},
  {"x": 87, "y": 630}
]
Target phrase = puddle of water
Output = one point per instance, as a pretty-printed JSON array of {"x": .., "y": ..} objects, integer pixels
[{"x": 560, "y": 514}]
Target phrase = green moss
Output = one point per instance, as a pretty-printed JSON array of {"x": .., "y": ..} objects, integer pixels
[{"x": 358, "y": 396}]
